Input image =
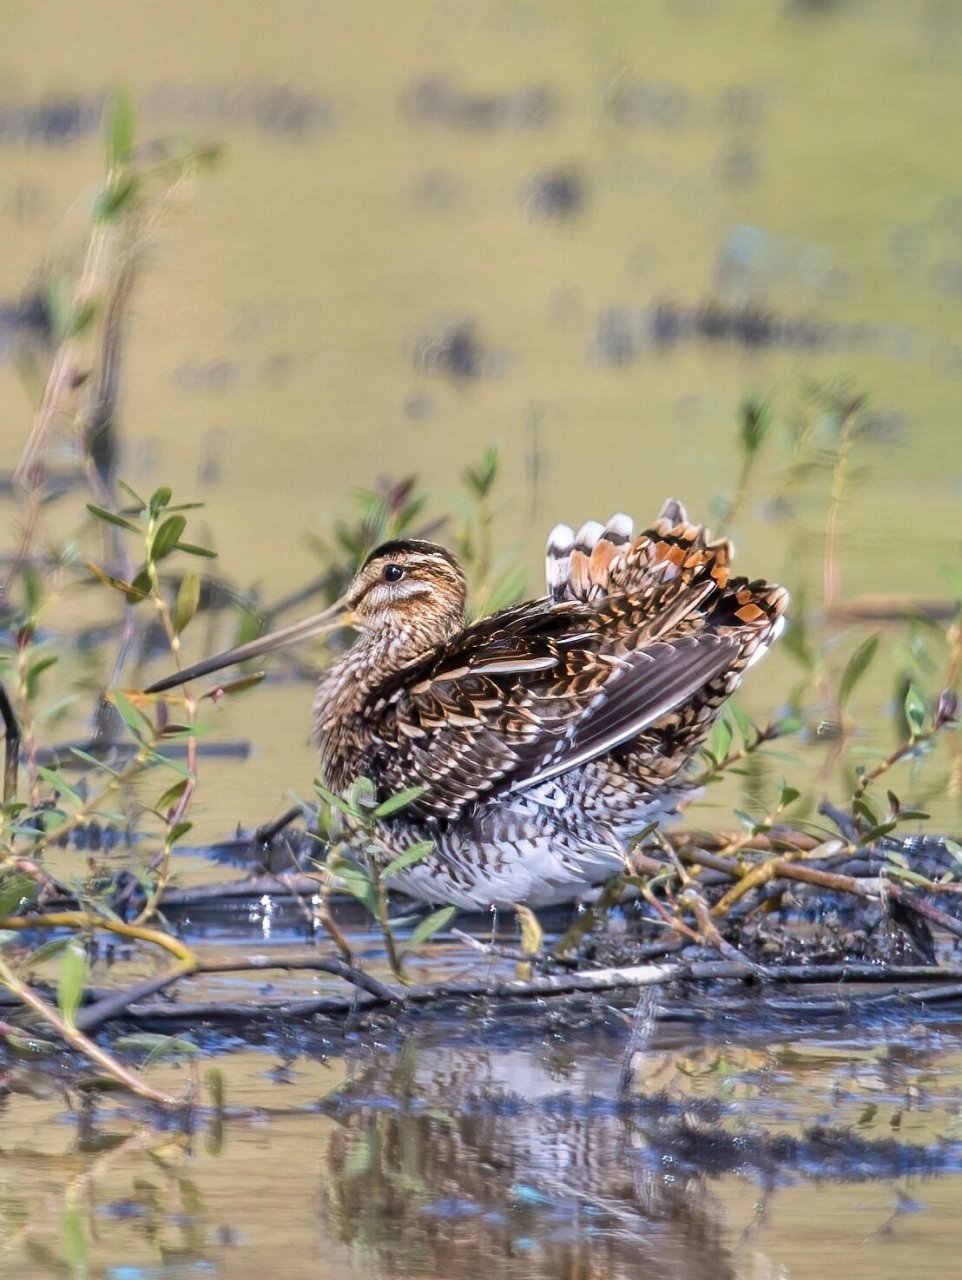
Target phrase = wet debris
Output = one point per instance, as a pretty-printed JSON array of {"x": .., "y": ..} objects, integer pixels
[
  {"x": 555, "y": 194},
  {"x": 455, "y": 350},
  {"x": 625, "y": 333},
  {"x": 819, "y": 1152},
  {"x": 436, "y": 100},
  {"x": 276, "y": 110},
  {"x": 272, "y": 109},
  {"x": 55, "y": 121},
  {"x": 438, "y": 190},
  {"x": 635, "y": 102},
  {"x": 25, "y": 320}
]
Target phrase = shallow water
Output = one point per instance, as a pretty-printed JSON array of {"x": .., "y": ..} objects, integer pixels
[
  {"x": 504, "y": 1152},
  {"x": 584, "y": 234}
]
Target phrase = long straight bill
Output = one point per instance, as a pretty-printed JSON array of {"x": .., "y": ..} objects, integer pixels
[{"x": 336, "y": 616}]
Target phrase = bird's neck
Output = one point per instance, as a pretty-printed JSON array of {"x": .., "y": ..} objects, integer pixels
[{"x": 344, "y": 715}]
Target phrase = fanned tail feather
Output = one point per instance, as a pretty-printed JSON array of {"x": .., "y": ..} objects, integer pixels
[{"x": 672, "y": 562}]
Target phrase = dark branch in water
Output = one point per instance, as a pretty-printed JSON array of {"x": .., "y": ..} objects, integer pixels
[{"x": 132, "y": 1006}]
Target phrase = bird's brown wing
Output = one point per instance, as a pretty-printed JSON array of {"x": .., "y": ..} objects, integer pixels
[{"x": 506, "y": 706}]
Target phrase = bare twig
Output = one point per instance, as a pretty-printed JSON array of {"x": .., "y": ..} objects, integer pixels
[
  {"x": 11, "y": 747},
  {"x": 85, "y": 921},
  {"x": 73, "y": 1036}
]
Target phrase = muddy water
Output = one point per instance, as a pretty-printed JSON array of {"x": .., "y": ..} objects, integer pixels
[
  {"x": 433, "y": 1154},
  {"x": 583, "y": 234}
]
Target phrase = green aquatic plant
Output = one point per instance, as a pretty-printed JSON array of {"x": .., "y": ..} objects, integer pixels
[{"x": 356, "y": 862}]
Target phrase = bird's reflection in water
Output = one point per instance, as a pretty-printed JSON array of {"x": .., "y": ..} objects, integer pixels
[{"x": 495, "y": 1163}]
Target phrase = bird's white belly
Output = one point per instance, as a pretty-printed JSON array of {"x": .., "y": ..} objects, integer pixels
[{"x": 538, "y": 850}]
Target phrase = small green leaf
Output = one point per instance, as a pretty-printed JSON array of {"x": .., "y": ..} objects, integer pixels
[
  {"x": 788, "y": 796},
  {"x": 910, "y": 877},
  {"x": 357, "y": 882},
  {"x": 114, "y": 196},
  {"x": 60, "y": 785},
  {"x": 334, "y": 801},
  {"x": 755, "y": 422},
  {"x": 87, "y": 758},
  {"x": 915, "y": 710},
  {"x": 877, "y": 832},
  {"x": 168, "y": 762},
  {"x": 73, "y": 1236},
  {"x": 406, "y": 859},
  {"x": 865, "y": 810},
  {"x": 400, "y": 801},
  {"x": 48, "y": 951},
  {"x": 855, "y": 668},
  {"x": 32, "y": 589},
  {"x": 193, "y": 550},
  {"x": 132, "y": 493},
  {"x": 721, "y": 740},
  {"x": 361, "y": 795},
  {"x": 480, "y": 479},
  {"x": 28, "y": 1045},
  {"x": 507, "y": 590},
  {"x": 116, "y": 583},
  {"x": 34, "y": 672},
  {"x": 795, "y": 642},
  {"x": 430, "y": 925},
  {"x": 953, "y": 848},
  {"x": 745, "y": 726},
  {"x": 165, "y": 539},
  {"x": 111, "y": 517},
  {"x": 178, "y": 830},
  {"x": 214, "y": 1080},
  {"x": 119, "y": 128},
  {"x": 159, "y": 499},
  {"x": 172, "y": 794},
  {"x": 81, "y": 317},
  {"x": 58, "y": 308},
  {"x": 786, "y": 727},
  {"x": 141, "y": 587},
  {"x": 73, "y": 976},
  {"x": 188, "y": 598},
  {"x": 134, "y": 719},
  {"x": 15, "y": 889}
]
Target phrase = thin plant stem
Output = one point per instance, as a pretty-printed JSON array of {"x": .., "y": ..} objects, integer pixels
[
  {"x": 87, "y": 921},
  {"x": 82, "y": 1043}
]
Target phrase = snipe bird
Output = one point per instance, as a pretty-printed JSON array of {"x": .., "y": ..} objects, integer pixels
[{"x": 544, "y": 736}]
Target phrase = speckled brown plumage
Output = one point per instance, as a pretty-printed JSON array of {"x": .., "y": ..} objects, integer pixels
[
  {"x": 560, "y": 721},
  {"x": 544, "y": 736}
]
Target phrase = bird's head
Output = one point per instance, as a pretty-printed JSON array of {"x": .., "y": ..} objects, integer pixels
[
  {"x": 407, "y": 596},
  {"x": 407, "y": 587}
]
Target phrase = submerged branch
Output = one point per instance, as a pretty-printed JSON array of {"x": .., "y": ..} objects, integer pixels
[
  {"x": 73, "y": 1036},
  {"x": 938, "y": 984}
]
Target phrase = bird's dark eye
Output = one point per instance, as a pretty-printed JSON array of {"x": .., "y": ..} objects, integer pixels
[{"x": 392, "y": 573}]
